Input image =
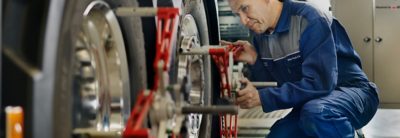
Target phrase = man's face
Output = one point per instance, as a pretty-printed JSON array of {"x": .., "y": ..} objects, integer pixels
[{"x": 254, "y": 14}]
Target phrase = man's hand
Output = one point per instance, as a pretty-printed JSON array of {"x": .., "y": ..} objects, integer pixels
[
  {"x": 248, "y": 97},
  {"x": 248, "y": 55}
]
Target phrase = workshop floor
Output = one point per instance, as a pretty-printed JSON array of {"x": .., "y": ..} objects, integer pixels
[
  {"x": 385, "y": 124},
  {"x": 253, "y": 123}
]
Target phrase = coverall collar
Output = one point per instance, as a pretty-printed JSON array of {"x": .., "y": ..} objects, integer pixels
[{"x": 284, "y": 20}]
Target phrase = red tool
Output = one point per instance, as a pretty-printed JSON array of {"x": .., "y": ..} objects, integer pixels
[
  {"x": 165, "y": 29},
  {"x": 228, "y": 128},
  {"x": 223, "y": 57}
]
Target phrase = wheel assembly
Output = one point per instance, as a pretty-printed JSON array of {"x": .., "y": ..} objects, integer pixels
[
  {"x": 136, "y": 68},
  {"x": 100, "y": 72},
  {"x": 102, "y": 94},
  {"x": 99, "y": 69},
  {"x": 191, "y": 73},
  {"x": 168, "y": 107}
]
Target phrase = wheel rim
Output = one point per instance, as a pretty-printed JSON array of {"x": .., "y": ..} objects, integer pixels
[
  {"x": 101, "y": 84},
  {"x": 191, "y": 72}
]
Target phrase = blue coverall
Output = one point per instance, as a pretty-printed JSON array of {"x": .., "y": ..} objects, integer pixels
[{"x": 318, "y": 72}]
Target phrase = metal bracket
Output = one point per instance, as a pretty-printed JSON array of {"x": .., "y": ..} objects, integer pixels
[
  {"x": 165, "y": 29},
  {"x": 230, "y": 75}
]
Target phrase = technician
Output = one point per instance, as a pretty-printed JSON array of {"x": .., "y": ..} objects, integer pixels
[{"x": 309, "y": 54}]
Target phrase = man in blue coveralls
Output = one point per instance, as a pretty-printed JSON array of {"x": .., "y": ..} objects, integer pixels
[{"x": 319, "y": 74}]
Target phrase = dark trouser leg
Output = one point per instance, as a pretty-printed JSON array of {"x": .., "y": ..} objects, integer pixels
[
  {"x": 287, "y": 127},
  {"x": 339, "y": 113}
]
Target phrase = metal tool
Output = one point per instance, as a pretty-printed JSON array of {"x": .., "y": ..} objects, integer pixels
[
  {"x": 229, "y": 109},
  {"x": 264, "y": 84},
  {"x": 231, "y": 75},
  {"x": 157, "y": 102}
]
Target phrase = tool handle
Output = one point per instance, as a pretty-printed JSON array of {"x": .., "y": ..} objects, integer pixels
[
  {"x": 227, "y": 109},
  {"x": 265, "y": 84}
]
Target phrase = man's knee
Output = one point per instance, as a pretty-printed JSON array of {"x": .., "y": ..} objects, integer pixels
[
  {"x": 314, "y": 108},
  {"x": 315, "y": 113}
]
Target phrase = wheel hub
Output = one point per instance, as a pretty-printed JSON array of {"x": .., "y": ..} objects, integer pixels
[
  {"x": 191, "y": 72},
  {"x": 101, "y": 84}
]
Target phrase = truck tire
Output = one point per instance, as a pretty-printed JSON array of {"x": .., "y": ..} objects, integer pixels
[
  {"x": 65, "y": 101},
  {"x": 208, "y": 33}
]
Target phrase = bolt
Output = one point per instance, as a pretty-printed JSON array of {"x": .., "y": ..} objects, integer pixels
[
  {"x": 83, "y": 56},
  {"x": 87, "y": 73}
]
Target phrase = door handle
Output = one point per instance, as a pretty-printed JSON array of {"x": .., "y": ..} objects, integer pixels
[
  {"x": 367, "y": 39},
  {"x": 378, "y": 39}
]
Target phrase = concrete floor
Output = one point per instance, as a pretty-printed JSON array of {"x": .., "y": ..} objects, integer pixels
[
  {"x": 385, "y": 124},
  {"x": 253, "y": 123}
]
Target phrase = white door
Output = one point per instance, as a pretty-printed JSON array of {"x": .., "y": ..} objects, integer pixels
[
  {"x": 356, "y": 17},
  {"x": 387, "y": 51}
]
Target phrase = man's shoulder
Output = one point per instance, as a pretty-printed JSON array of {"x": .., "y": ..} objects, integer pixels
[{"x": 308, "y": 11}]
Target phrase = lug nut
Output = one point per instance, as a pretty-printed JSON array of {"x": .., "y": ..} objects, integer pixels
[
  {"x": 83, "y": 56},
  {"x": 87, "y": 73}
]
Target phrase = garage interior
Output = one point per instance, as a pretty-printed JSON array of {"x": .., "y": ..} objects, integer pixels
[{"x": 145, "y": 68}]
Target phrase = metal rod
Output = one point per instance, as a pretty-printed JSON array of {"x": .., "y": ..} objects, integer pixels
[
  {"x": 93, "y": 133},
  {"x": 265, "y": 84},
  {"x": 134, "y": 11},
  {"x": 204, "y": 50},
  {"x": 228, "y": 109},
  {"x": 193, "y": 51}
]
